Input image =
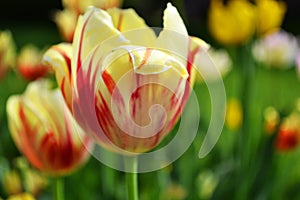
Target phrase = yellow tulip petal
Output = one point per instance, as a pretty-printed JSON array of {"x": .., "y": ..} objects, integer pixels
[
  {"x": 126, "y": 19},
  {"x": 132, "y": 26},
  {"x": 173, "y": 21},
  {"x": 174, "y": 30}
]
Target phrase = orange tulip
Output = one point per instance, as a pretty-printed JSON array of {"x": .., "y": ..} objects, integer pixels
[
  {"x": 120, "y": 70},
  {"x": 288, "y": 137},
  {"x": 287, "y": 140},
  {"x": 29, "y": 63},
  {"x": 44, "y": 130}
]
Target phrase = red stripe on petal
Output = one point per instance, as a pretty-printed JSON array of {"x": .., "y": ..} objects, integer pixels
[
  {"x": 146, "y": 57},
  {"x": 27, "y": 139},
  {"x": 106, "y": 120},
  {"x": 120, "y": 21},
  {"x": 191, "y": 57},
  {"x": 79, "y": 61},
  {"x": 112, "y": 88},
  {"x": 68, "y": 149},
  {"x": 62, "y": 87},
  {"x": 109, "y": 82}
]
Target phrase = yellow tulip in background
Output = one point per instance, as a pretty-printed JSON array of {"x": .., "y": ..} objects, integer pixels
[
  {"x": 235, "y": 22},
  {"x": 7, "y": 52},
  {"x": 66, "y": 19},
  {"x": 270, "y": 14},
  {"x": 232, "y": 23},
  {"x": 66, "y": 22},
  {"x": 29, "y": 63},
  {"x": 234, "y": 114}
]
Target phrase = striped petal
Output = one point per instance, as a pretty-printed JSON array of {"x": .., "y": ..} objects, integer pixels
[
  {"x": 43, "y": 129},
  {"x": 93, "y": 28},
  {"x": 59, "y": 58},
  {"x": 133, "y": 82}
]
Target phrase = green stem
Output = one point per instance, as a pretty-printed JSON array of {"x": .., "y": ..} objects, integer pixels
[
  {"x": 59, "y": 189},
  {"x": 131, "y": 178}
]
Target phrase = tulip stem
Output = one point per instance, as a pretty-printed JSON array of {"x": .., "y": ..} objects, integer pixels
[
  {"x": 59, "y": 189},
  {"x": 131, "y": 178}
]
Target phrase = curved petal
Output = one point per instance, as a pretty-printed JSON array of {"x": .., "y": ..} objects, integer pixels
[
  {"x": 174, "y": 30},
  {"x": 197, "y": 47},
  {"x": 132, "y": 26},
  {"x": 59, "y": 58}
]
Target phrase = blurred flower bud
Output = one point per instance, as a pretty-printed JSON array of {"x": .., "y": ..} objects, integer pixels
[
  {"x": 276, "y": 50},
  {"x": 270, "y": 14},
  {"x": 7, "y": 52},
  {"x": 234, "y": 114},
  {"x": 232, "y": 23},
  {"x": 288, "y": 137},
  {"x": 207, "y": 182},
  {"x": 213, "y": 64},
  {"x": 174, "y": 192},
  {"x": 12, "y": 182},
  {"x": 271, "y": 117},
  {"x": 23, "y": 196},
  {"x": 29, "y": 63},
  {"x": 66, "y": 22}
]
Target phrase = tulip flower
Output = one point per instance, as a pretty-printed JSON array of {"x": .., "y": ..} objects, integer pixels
[
  {"x": 12, "y": 182},
  {"x": 81, "y": 6},
  {"x": 44, "y": 130},
  {"x": 120, "y": 70},
  {"x": 233, "y": 23},
  {"x": 7, "y": 52},
  {"x": 272, "y": 118},
  {"x": 234, "y": 114},
  {"x": 66, "y": 19},
  {"x": 29, "y": 63},
  {"x": 277, "y": 50},
  {"x": 288, "y": 137},
  {"x": 270, "y": 14},
  {"x": 66, "y": 22}
]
